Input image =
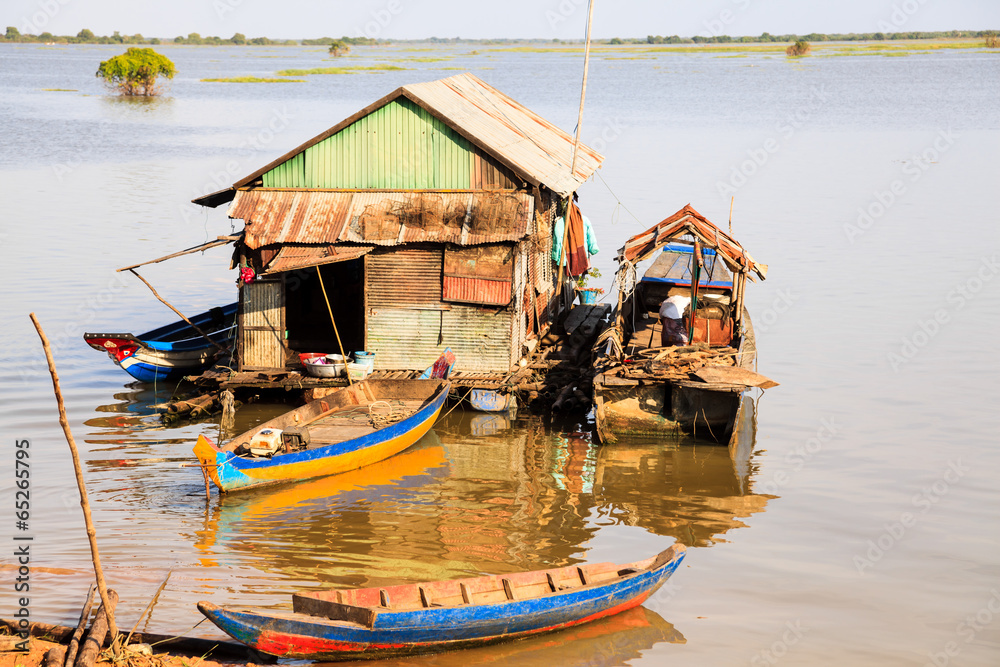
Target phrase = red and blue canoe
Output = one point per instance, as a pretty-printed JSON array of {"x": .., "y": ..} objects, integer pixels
[
  {"x": 443, "y": 615},
  {"x": 172, "y": 351},
  {"x": 355, "y": 426}
]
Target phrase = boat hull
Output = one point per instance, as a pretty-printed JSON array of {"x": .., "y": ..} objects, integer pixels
[
  {"x": 672, "y": 408},
  {"x": 172, "y": 351},
  {"x": 666, "y": 409},
  {"x": 148, "y": 365},
  {"x": 230, "y": 472},
  {"x": 389, "y": 633}
]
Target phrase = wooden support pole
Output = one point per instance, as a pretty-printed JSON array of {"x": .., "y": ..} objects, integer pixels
[
  {"x": 74, "y": 643},
  {"x": 334, "y": 322},
  {"x": 98, "y": 632},
  {"x": 179, "y": 313},
  {"x": 84, "y": 503},
  {"x": 583, "y": 90}
]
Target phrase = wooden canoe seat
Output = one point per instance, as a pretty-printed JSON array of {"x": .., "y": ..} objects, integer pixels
[{"x": 508, "y": 589}]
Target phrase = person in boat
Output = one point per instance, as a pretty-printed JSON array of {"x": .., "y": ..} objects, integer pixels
[{"x": 672, "y": 330}]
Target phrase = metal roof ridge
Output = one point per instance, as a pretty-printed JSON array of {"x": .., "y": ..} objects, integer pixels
[{"x": 459, "y": 86}]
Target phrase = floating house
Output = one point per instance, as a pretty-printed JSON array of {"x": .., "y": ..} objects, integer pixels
[{"x": 422, "y": 222}]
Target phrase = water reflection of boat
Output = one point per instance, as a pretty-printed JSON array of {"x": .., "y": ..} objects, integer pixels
[
  {"x": 270, "y": 511},
  {"x": 611, "y": 641},
  {"x": 693, "y": 493},
  {"x": 460, "y": 504},
  {"x": 448, "y": 614}
]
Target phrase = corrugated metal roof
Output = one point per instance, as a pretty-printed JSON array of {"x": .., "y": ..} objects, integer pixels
[
  {"x": 689, "y": 221},
  {"x": 290, "y": 258},
  {"x": 529, "y": 144},
  {"x": 521, "y": 140},
  {"x": 388, "y": 217}
]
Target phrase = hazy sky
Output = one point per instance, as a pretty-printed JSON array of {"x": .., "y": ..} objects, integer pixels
[{"x": 564, "y": 19}]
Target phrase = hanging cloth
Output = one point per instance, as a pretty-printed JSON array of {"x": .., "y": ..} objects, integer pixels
[{"x": 576, "y": 247}]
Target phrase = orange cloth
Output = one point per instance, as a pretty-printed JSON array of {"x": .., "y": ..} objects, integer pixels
[{"x": 576, "y": 246}]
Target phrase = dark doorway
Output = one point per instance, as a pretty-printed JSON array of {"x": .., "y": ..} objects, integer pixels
[{"x": 306, "y": 315}]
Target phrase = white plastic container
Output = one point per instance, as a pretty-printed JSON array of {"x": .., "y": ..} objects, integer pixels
[{"x": 356, "y": 371}]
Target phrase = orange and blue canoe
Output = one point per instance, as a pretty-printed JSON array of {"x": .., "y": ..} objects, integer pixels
[
  {"x": 442, "y": 615},
  {"x": 355, "y": 426}
]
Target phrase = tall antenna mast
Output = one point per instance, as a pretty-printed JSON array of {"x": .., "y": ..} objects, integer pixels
[{"x": 583, "y": 91}]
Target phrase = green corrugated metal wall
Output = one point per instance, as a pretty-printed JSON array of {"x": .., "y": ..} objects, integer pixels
[{"x": 399, "y": 146}]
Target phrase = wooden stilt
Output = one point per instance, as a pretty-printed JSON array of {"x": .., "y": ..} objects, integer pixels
[
  {"x": 84, "y": 503},
  {"x": 74, "y": 643},
  {"x": 208, "y": 489},
  {"x": 98, "y": 632}
]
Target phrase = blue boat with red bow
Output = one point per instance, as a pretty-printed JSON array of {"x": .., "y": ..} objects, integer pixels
[
  {"x": 409, "y": 619},
  {"x": 172, "y": 351}
]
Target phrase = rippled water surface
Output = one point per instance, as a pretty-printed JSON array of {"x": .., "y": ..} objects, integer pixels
[{"x": 862, "y": 528}]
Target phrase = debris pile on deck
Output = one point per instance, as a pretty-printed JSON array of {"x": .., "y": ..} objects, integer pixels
[{"x": 669, "y": 363}]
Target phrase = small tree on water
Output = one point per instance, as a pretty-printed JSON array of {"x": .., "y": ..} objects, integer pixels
[
  {"x": 339, "y": 47},
  {"x": 799, "y": 48},
  {"x": 135, "y": 72}
]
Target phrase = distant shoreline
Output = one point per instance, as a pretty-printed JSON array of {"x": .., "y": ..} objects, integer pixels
[{"x": 85, "y": 36}]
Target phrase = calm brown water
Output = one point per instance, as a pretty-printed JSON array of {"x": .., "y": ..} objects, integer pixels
[{"x": 862, "y": 528}]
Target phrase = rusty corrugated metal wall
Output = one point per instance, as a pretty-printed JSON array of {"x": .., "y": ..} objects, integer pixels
[
  {"x": 262, "y": 325},
  {"x": 409, "y": 325},
  {"x": 398, "y": 146}
]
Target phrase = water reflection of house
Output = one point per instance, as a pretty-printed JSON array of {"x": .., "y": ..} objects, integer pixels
[
  {"x": 460, "y": 503},
  {"x": 428, "y": 214}
]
